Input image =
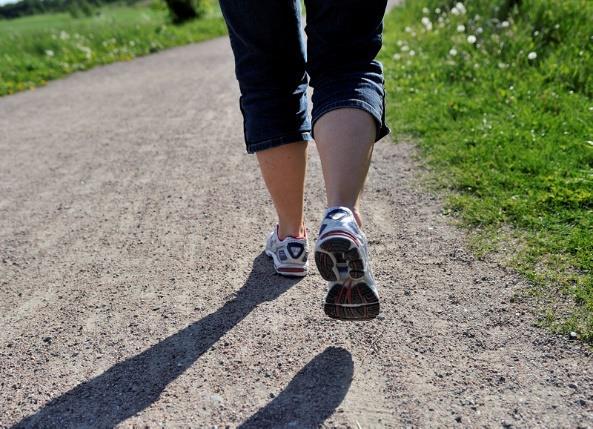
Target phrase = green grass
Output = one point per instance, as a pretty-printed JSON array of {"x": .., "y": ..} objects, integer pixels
[
  {"x": 39, "y": 48},
  {"x": 509, "y": 134}
]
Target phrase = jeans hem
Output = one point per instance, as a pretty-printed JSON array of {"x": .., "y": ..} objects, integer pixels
[{"x": 279, "y": 141}]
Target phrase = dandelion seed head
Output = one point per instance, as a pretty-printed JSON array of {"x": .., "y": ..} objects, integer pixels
[
  {"x": 532, "y": 56},
  {"x": 505, "y": 24},
  {"x": 453, "y": 52},
  {"x": 461, "y": 28},
  {"x": 471, "y": 39},
  {"x": 427, "y": 23},
  {"x": 412, "y": 53},
  {"x": 425, "y": 10}
]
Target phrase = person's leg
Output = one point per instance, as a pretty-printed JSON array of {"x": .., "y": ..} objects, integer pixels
[
  {"x": 348, "y": 117},
  {"x": 345, "y": 139},
  {"x": 283, "y": 169},
  {"x": 344, "y": 37},
  {"x": 270, "y": 67}
]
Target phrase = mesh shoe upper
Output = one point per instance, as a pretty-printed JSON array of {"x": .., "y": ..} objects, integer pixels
[{"x": 290, "y": 255}]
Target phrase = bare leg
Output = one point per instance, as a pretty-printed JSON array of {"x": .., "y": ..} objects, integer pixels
[
  {"x": 344, "y": 139},
  {"x": 283, "y": 169}
]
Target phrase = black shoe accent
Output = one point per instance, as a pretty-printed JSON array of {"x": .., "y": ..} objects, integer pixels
[{"x": 295, "y": 249}]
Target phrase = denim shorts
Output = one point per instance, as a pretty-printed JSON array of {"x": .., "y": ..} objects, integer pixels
[{"x": 274, "y": 67}]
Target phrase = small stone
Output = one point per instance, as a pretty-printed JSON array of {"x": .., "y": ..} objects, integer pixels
[
  {"x": 47, "y": 340},
  {"x": 573, "y": 335},
  {"x": 458, "y": 419},
  {"x": 572, "y": 386}
]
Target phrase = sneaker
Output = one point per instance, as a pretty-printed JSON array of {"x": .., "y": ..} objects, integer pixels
[
  {"x": 341, "y": 255},
  {"x": 289, "y": 255}
]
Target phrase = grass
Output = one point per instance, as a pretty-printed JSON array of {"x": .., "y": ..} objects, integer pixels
[
  {"x": 36, "y": 49},
  {"x": 502, "y": 104}
]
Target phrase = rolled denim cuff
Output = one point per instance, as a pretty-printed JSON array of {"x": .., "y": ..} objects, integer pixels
[{"x": 278, "y": 141}]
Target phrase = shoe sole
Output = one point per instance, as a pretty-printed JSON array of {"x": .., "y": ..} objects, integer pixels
[
  {"x": 348, "y": 299},
  {"x": 351, "y": 302},
  {"x": 286, "y": 270}
]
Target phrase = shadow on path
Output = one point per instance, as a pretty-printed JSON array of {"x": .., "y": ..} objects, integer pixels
[
  {"x": 312, "y": 395},
  {"x": 134, "y": 384}
]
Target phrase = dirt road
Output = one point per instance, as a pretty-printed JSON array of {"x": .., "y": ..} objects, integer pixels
[{"x": 134, "y": 292}]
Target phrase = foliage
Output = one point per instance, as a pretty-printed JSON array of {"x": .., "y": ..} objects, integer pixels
[
  {"x": 43, "y": 47},
  {"x": 35, "y": 7},
  {"x": 500, "y": 93}
]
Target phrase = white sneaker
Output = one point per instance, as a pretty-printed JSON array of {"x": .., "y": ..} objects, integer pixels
[
  {"x": 341, "y": 255},
  {"x": 289, "y": 255}
]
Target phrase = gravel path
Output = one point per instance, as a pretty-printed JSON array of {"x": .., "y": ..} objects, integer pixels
[{"x": 134, "y": 291}]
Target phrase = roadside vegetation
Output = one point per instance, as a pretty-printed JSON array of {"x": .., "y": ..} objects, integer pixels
[
  {"x": 38, "y": 48},
  {"x": 500, "y": 96}
]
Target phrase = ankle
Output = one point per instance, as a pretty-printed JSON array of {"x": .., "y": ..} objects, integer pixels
[{"x": 295, "y": 231}]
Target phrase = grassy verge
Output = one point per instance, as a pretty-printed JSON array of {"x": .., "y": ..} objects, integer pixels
[
  {"x": 39, "y": 48},
  {"x": 501, "y": 99}
]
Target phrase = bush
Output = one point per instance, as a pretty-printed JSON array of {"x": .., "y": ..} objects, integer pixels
[{"x": 186, "y": 10}]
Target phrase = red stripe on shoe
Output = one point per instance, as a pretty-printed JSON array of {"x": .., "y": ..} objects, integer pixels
[
  {"x": 343, "y": 234},
  {"x": 291, "y": 270}
]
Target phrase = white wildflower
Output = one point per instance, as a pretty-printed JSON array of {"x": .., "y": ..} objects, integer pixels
[
  {"x": 49, "y": 53},
  {"x": 64, "y": 35},
  {"x": 405, "y": 48},
  {"x": 461, "y": 28},
  {"x": 425, "y": 10},
  {"x": 460, "y": 7},
  {"x": 472, "y": 39},
  {"x": 412, "y": 53},
  {"x": 505, "y": 24},
  {"x": 408, "y": 30},
  {"x": 532, "y": 56},
  {"x": 453, "y": 52},
  {"x": 479, "y": 30},
  {"x": 397, "y": 57},
  {"x": 86, "y": 50},
  {"x": 427, "y": 23},
  {"x": 455, "y": 11},
  {"x": 437, "y": 11}
]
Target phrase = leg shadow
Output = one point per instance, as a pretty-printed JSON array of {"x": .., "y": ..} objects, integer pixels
[
  {"x": 312, "y": 395},
  {"x": 134, "y": 384}
]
